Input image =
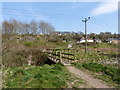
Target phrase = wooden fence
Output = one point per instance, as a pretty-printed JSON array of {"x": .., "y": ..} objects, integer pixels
[{"x": 59, "y": 55}]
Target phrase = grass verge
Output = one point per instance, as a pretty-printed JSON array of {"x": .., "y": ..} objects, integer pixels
[
  {"x": 109, "y": 74},
  {"x": 54, "y": 76}
]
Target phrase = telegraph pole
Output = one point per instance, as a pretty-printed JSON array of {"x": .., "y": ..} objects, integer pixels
[{"x": 85, "y": 21}]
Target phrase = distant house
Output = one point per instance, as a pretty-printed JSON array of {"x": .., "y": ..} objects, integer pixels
[
  {"x": 98, "y": 40},
  {"x": 113, "y": 40},
  {"x": 62, "y": 33},
  {"x": 82, "y": 40}
]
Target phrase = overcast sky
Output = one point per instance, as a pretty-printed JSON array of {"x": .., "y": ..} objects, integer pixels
[{"x": 66, "y": 16}]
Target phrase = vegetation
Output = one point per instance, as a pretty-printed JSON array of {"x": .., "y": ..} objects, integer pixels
[
  {"x": 14, "y": 28},
  {"x": 106, "y": 73},
  {"x": 103, "y": 53},
  {"x": 104, "y": 45},
  {"x": 101, "y": 60},
  {"x": 54, "y": 76},
  {"x": 24, "y": 57},
  {"x": 22, "y": 53}
]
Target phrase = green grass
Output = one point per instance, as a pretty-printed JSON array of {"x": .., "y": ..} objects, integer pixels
[
  {"x": 104, "y": 45},
  {"x": 109, "y": 74},
  {"x": 27, "y": 43},
  {"x": 58, "y": 44},
  {"x": 45, "y": 43},
  {"x": 95, "y": 56},
  {"x": 101, "y": 62},
  {"x": 54, "y": 76},
  {"x": 97, "y": 45}
]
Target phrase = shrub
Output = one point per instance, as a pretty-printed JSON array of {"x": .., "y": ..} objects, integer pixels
[
  {"x": 21, "y": 57},
  {"x": 26, "y": 43},
  {"x": 38, "y": 57},
  {"x": 92, "y": 66},
  {"x": 57, "y": 67},
  {"x": 15, "y": 58}
]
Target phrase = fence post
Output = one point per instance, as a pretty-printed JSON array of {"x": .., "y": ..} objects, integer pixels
[
  {"x": 56, "y": 55},
  {"x": 74, "y": 54},
  {"x": 68, "y": 56},
  {"x": 60, "y": 55}
]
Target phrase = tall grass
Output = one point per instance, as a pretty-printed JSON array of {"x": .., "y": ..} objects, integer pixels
[
  {"x": 108, "y": 73},
  {"x": 54, "y": 76}
]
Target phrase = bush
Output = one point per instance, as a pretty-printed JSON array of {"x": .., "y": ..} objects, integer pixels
[
  {"x": 21, "y": 57},
  {"x": 57, "y": 67},
  {"x": 15, "y": 58},
  {"x": 38, "y": 57},
  {"x": 92, "y": 66},
  {"x": 26, "y": 43}
]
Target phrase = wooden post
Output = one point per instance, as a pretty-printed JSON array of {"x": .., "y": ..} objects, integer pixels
[
  {"x": 68, "y": 56},
  {"x": 56, "y": 55},
  {"x": 63, "y": 54},
  {"x": 60, "y": 56},
  {"x": 74, "y": 54},
  {"x": 53, "y": 54}
]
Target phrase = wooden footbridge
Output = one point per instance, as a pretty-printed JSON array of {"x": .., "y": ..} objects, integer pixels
[{"x": 64, "y": 56}]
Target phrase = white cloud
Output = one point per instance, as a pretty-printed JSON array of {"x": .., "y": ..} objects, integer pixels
[{"x": 105, "y": 8}]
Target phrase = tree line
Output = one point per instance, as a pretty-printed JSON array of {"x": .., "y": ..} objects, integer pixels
[
  {"x": 33, "y": 27},
  {"x": 103, "y": 35}
]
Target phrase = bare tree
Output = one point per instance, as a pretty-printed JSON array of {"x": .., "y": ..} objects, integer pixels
[
  {"x": 46, "y": 28},
  {"x": 7, "y": 27},
  {"x": 49, "y": 29},
  {"x": 14, "y": 26},
  {"x": 42, "y": 27},
  {"x": 34, "y": 27},
  {"x": 26, "y": 30}
]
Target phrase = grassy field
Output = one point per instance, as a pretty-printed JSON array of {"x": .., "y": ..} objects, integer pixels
[
  {"x": 102, "y": 61},
  {"x": 103, "y": 57},
  {"x": 54, "y": 76},
  {"x": 100, "y": 58},
  {"x": 45, "y": 44},
  {"x": 106, "y": 73}
]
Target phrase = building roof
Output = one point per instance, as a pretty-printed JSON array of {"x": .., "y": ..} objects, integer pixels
[
  {"x": 64, "y": 32},
  {"x": 110, "y": 39}
]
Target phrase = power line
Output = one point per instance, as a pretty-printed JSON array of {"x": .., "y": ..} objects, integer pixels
[
  {"x": 27, "y": 14},
  {"x": 35, "y": 12},
  {"x": 63, "y": 20},
  {"x": 60, "y": 18}
]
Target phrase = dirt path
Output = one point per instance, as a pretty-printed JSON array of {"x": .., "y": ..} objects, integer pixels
[{"x": 91, "y": 81}]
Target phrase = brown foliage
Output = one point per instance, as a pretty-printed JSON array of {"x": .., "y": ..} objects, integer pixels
[{"x": 16, "y": 54}]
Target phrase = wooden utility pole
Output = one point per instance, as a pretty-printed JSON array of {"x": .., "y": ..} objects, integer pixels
[{"x": 85, "y": 21}]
